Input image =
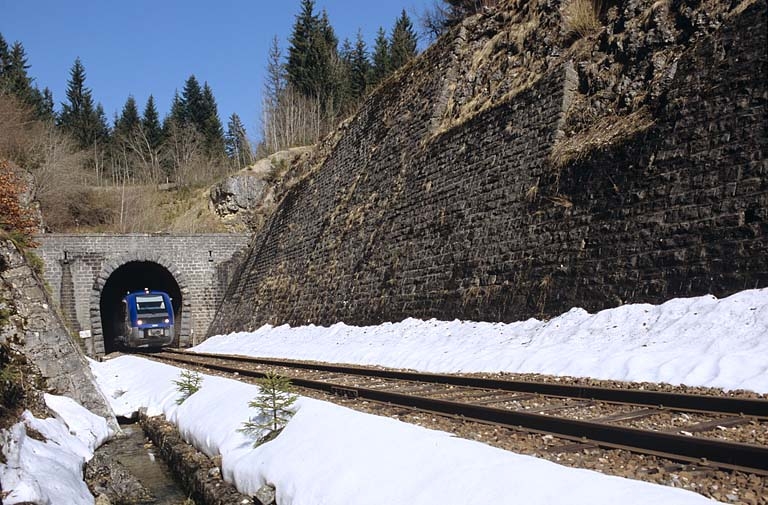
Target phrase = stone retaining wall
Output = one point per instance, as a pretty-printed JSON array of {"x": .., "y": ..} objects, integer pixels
[{"x": 405, "y": 219}]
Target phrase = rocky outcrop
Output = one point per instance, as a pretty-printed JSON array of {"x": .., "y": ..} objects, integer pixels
[
  {"x": 244, "y": 199},
  {"x": 32, "y": 326}
]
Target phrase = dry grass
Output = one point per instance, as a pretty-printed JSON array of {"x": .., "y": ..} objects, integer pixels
[
  {"x": 582, "y": 17},
  {"x": 605, "y": 132}
]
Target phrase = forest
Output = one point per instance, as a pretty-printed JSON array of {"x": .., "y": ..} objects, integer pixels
[{"x": 89, "y": 173}]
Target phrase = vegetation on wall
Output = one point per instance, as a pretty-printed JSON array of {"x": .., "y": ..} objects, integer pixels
[{"x": 15, "y": 219}]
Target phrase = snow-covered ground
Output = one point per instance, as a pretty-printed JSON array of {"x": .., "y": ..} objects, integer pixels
[
  {"x": 698, "y": 341},
  {"x": 331, "y": 455},
  {"x": 51, "y": 471}
]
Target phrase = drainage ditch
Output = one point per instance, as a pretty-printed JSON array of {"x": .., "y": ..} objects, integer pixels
[
  {"x": 167, "y": 471},
  {"x": 128, "y": 470}
]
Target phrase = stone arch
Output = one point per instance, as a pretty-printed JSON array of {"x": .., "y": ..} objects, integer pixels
[{"x": 110, "y": 266}]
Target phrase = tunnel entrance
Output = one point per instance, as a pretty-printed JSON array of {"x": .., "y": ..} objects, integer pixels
[{"x": 135, "y": 276}]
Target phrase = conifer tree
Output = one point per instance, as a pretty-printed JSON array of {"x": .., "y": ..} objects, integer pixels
[
  {"x": 101, "y": 126},
  {"x": 237, "y": 146},
  {"x": 45, "y": 111},
  {"x": 273, "y": 402},
  {"x": 79, "y": 116},
  {"x": 177, "y": 116},
  {"x": 150, "y": 122},
  {"x": 328, "y": 73},
  {"x": 360, "y": 68},
  {"x": 210, "y": 124},
  {"x": 404, "y": 42},
  {"x": 14, "y": 78},
  {"x": 346, "y": 54},
  {"x": 4, "y": 55},
  {"x": 380, "y": 66},
  {"x": 300, "y": 66},
  {"x": 276, "y": 75},
  {"x": 193, "y": 108},
  {"x": 128, "y": 121},
  {"x": 314, "y": 68}
]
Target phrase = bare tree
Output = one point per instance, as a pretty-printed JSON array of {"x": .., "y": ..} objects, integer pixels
[
  {"x": 443, "y": 14},
  {"x": 294, "y": 120}
]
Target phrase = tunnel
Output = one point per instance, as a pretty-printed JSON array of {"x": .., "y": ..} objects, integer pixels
[{"x": 130, "y": 277}]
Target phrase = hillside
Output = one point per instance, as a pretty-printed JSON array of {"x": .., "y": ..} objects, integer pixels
[{"x": 524, "y": 165}]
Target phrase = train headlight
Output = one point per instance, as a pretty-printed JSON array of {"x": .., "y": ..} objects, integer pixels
[
  {"x": 166, "y": 320},
  {"x": 139, "y": 322}
]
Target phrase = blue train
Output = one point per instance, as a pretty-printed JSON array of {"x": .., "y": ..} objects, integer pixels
[{"x": 147, "y": 319}]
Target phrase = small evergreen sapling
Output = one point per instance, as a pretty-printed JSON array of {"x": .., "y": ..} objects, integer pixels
[
  {"x": 273, "y": 401},
  {"x": 188, "y": 384}
]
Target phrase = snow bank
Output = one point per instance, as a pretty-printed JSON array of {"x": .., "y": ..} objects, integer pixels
[
  {"x": 699, "y": 341},
  {"x": 51, "y": 471},
  {"x": 332, "y": 455}
]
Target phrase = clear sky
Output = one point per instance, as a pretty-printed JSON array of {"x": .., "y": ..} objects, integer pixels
[{"x": 144, "y": 47}]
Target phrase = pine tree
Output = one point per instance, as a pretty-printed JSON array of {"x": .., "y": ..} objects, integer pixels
[
  {"x": 346, "y": 97},
  {"x": 237, "y": 146},
  {"x": 45, "y": 111},
  {"x": 78, "y": 115},
  {"x": 101, "y": 126},
  {"x": 276, "y": 75},
  {"x": 328, "y": 71},
  {"x": 4, "y": 55},
  {"x": 129, "y": 120},
  {"x": 273, "y": 402},
  {"x": 210, "y": 124},
  {"x": 314, "y": 68},
  {"x": 150, "y": 122},
  {"x": 360, "y": 68},
  {"x": 300, "y": 67},
  {"x": 188, "y": 383},
  {"x": 14, "y": 78},
  {"x": 193, "y": 108},
  {"x": 381, "y": 65},
  {"x": 177, "y": 117},
  {"x": 404, "y": 42}
]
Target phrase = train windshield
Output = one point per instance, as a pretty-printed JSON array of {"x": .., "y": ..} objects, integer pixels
[{"x": 150, "y": 304}]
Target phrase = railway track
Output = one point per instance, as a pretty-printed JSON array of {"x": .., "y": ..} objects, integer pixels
[{"x": 586, "y": 416}]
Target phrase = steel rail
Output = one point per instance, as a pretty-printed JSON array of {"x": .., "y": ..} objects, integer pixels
[
  {"x": 698, "y": 403},
  {"x": 729, "y": 455}
]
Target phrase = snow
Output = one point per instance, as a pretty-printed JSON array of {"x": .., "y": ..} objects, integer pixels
[
  {"x": 329, "y": 454},
  {"x": 51, "y": 471},
  {"x": 700, "y": 341}
]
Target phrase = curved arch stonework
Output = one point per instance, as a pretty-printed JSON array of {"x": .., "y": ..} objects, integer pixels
[
  {"x": 77, "y": 267},
  {"x": 113, "y": 264}
]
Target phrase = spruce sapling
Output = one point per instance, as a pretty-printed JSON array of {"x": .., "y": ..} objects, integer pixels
[
  {"x": 273, "y": 401},
  {"x": 188, "y": 384}
]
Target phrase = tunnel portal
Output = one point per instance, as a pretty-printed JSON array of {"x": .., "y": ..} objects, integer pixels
[{"x": 135, "y": 276}]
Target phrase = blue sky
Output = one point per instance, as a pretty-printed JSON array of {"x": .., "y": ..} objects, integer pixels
[{"x": 144, "y": 47}]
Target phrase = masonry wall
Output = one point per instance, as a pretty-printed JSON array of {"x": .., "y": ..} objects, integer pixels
[
  {"x": 77, "y": 267},
  {"x": 477, "y": 222}
]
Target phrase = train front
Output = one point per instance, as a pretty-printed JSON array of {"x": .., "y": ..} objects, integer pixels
[{"x": 151, "y": 319}]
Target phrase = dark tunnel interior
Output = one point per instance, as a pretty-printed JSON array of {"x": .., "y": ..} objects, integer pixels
[{"x": 134, "y": 276}]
